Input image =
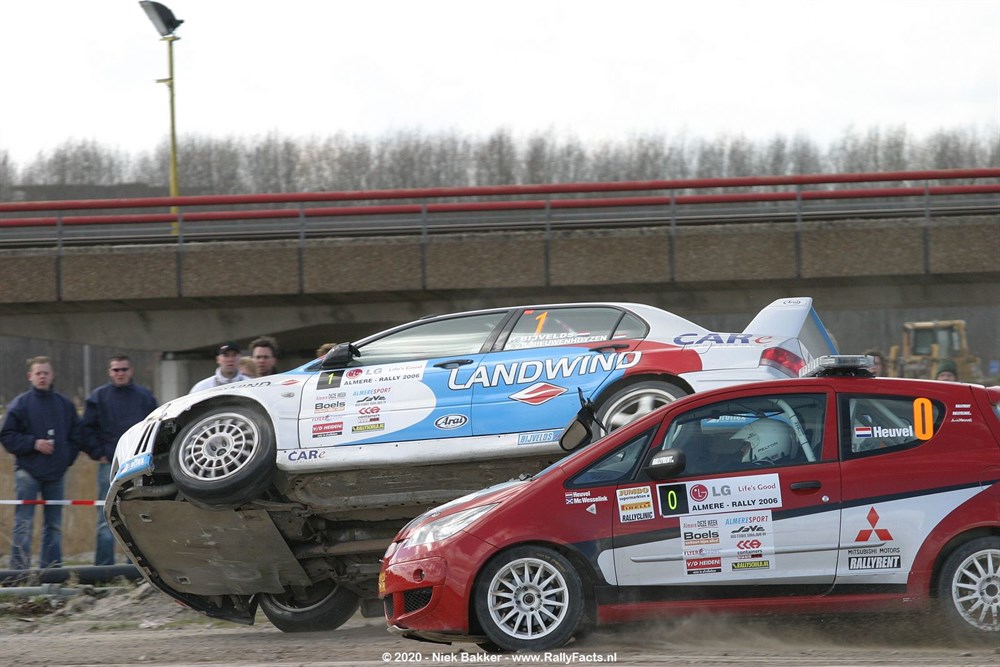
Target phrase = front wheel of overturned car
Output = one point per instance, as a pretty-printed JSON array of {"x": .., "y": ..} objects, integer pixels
[
  {"x": 969, "y": 587},
  {"x": 529, "y": 598},
  {"x": 323, "y": 606},
  {"x": 224, "y": 457},
  {"x": 636, "y": 400}
]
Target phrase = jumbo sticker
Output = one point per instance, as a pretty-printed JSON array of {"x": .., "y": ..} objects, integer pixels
[{"x": 635, "y": 504}]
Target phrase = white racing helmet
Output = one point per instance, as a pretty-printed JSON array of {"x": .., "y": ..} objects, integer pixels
[{"x": 765, "y": 440}]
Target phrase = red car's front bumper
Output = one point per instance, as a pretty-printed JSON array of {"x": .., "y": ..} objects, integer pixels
[{"x": 428, "y": 593}]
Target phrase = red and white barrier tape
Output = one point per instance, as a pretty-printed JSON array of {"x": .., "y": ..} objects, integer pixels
[{"x": 96, "y": 503}]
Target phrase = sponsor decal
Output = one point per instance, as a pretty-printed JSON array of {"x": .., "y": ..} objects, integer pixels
[
  {"x": 306, "y": 454},
  {"x": 248, "y": 385},
  {"x": 750, "y": 565},
  {"x": 873, "y": 562},
  {"x": 527, "y": 341},
  {"x": 134, "y": 465},
  {"x": 370, "y": 391},
  {"x": 331, "y": 406},
  {"x": 287, "y": 383},
  {"x": 865, "y": 534},
  {"x": 583, "y": 498},
  {"x": 724, "y": 495},
  {"x": 712, "y": 565},
  {"x": 877, "y": 556},
  {"x": 537, "y": 437},
  {"x": 524, "y": 372},
  {"x": 327, "y": 429},
  {"x": 371, "y": 400},
  {"x": 368, "y": 419},
  {"x": 331, "y": 396},
  {"x": 369, "y": 410},
  {"x": 635, "y": 504},
  {"x": 449, "y": 422},
  {"x": 538, "y": 393},
  {"x": 721, "y": 339},
  {"x": 361, "y": 428},
  {"x": 736, "y": 538}
]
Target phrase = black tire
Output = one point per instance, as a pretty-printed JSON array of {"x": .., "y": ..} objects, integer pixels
[
  {"x": 323, "y": 606},
  {"x": 969, "y": 587},
  {"x": 529, "y": 598},
  {"x": 635, "y": 400},
  {"x": 224, "y": 457}
]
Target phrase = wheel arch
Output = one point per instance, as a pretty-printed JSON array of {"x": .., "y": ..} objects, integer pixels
[
  {"x": 607, "y": 391},
  {"x": 588, "y": 577},
  {"x": 950, "y": 547},
  {"x": 196, "y": 410}
]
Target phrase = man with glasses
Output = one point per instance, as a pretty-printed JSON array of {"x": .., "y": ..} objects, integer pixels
[{"x": 111, "y": 409}]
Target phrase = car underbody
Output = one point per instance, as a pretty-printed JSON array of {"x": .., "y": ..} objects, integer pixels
[{"x": 307, "y": 530}]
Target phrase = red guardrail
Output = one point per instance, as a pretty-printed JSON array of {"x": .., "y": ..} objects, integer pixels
[{"x": 506, "y": 190}]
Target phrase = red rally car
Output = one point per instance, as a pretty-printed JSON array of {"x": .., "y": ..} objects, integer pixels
[{"x": 834, "y": 492}]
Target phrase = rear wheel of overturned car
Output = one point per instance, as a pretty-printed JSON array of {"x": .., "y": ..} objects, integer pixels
[
  {"x": 969, "y": 587},
  {"x": 530, "y": 598},
  {"x": 323, "y": 606},
  {"x": 224, "y": 458},
  {"x": 636, "y": 400}
]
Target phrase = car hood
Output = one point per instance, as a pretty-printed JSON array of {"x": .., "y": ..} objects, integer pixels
[{"x": 498, "y": 493}]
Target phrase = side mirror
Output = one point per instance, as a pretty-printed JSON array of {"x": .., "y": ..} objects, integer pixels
[
  {"x": 341, "y": 355},
  {"x": 666, "y": 464},
  {"x": 576, "y": 434}
]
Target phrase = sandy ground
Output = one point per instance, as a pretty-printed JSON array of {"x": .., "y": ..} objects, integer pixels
[{"x": 137, "y": 625}]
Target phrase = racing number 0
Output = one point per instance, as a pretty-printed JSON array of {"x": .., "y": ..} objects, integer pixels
[{"x": 923, "y": 418}]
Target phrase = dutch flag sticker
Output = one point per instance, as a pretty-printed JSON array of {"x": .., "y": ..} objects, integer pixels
[{"x": 862, "y": 431}]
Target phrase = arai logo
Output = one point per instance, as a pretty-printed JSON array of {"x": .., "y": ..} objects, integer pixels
[{"x": 449, "y": 422}]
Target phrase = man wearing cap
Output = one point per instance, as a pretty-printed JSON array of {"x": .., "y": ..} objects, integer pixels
[
  {"x": 947, "y": 371},
  {"x": 228, "y": 359}
]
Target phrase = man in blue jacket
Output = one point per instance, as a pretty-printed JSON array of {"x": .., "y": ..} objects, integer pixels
[
  {"x": 111, "y": 409},
  {"x": 41, "y": 429}
]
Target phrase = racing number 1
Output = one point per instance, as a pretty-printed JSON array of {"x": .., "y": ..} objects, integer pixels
[{"x": 541, "y": 321}]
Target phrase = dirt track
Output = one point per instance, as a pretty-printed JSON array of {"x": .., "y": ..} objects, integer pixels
[{"x": 144, "y": 627}]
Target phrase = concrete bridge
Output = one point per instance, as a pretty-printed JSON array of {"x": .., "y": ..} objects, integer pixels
[{"x": 868, "y": 269}]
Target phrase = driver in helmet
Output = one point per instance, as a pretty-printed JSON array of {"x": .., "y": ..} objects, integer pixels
[{"x": 765, "y": 441}]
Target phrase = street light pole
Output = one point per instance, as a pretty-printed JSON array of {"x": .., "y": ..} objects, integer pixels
[
  {"x": 170, "y": 39},
  {"x": 166, "y": 23}
]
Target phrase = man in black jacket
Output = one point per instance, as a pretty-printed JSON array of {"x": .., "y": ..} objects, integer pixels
[
  {"x": 111, "y": 410},
  {"x": 41, "y": 429}
]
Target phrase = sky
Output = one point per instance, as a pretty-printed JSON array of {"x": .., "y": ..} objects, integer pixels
[{"x": 595, "y": 71}]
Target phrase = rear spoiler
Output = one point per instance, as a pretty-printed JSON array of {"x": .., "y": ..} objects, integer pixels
[{"x": 795, "y": 317}]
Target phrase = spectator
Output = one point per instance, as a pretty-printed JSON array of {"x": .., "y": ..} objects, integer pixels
[
  {"x": 111, "y": 409},
  {"x": 228, "y": 360},
  {"x": 42, "y": 430},
  {"x": 322, "y": 350},
  {"x": 264, "y": 351},
  {"x": 947, "y": 371},
  {"x": 248, "y": 367},
  {"x": 879, "y": 369}
]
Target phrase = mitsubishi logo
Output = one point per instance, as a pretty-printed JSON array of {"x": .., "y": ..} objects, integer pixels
[
  {"x": 865, "y": 534},
  {"x": 538, "y": 393}
]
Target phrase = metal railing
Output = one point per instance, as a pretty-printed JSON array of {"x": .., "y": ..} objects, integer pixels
[{"x": 918, "y": 194}]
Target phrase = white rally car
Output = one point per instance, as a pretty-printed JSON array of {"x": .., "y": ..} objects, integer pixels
[{"x": 283, "y": 491}]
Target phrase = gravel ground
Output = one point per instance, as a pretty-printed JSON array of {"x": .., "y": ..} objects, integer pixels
[{"x": 137, "y": 625}]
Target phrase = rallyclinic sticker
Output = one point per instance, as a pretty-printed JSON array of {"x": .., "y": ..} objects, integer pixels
[{"x": 635, "y": 504}]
